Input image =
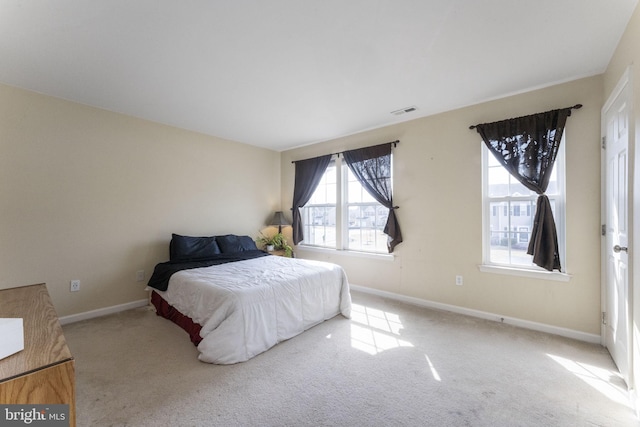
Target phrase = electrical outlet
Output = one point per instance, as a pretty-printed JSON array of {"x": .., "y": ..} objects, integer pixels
[
  {"x": 75, "y": 286},
  {"x": 140, "y": 276},
  {"x": 459, "y": 280}
]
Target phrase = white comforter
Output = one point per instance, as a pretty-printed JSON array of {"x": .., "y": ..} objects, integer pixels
[{"x": 247, "y": 307}]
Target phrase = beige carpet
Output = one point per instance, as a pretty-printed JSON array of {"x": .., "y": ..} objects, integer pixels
[{"x": 391, "y": 365}]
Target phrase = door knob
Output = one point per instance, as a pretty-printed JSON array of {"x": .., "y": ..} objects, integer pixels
[{"x": 617, "y": 249}]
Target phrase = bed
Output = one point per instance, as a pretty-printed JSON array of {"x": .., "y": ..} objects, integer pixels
[{"x": 236, "y": 301}]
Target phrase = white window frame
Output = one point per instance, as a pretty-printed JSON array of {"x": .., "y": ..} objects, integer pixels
[
  {"x": 342, "y": 217},
  {"x": 559, "y": 217}
]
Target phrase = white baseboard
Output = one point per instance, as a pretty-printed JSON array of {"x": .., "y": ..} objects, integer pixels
[
  {"x": 541, "y": 327},
  {"x": 103, "y": 311}
]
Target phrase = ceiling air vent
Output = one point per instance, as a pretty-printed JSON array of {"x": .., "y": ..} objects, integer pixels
[{"x": 404, "y": 110}]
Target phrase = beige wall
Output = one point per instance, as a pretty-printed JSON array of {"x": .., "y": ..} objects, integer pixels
[
  {"x": 437, "y": 184},
  {"x": 628, "y": 55},
  {"x": 91, "y": 195}
]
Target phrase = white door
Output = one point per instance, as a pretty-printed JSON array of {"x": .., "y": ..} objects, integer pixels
[{"x": 616, "y": 251}]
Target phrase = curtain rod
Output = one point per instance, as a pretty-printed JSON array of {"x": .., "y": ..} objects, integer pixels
[
  {"x": 576, "y": 107},
  {"x": 396, "y": 142}
]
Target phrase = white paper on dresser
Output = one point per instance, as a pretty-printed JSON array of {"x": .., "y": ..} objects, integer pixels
[{"x": 11, "y": 336}]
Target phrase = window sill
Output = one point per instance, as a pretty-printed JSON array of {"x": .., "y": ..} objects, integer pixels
[
  {"x": 521, "y": 272},
  {"x": 301, "y": 249}
]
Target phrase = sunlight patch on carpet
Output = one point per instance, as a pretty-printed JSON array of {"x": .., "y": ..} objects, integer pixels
[
  {"x": 434, "y": 372},
  {"x": 606, "y": 381},
  {"x": 374, "y": 331}
]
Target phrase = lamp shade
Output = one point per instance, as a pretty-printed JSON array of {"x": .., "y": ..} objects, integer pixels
[{"x": 279, "y": 220}]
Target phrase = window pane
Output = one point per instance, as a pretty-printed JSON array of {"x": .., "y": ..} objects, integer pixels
[
  {"x": 553, "y": 183},
  {"x": 510, "y": 248},
  {"x": 366, "y": 197},
  {"x": 519, "y": 253},
  {"x": 365, "y": 225},
  {"x": 382, "y": 214},
  {"x": 500, "y": 221},
  {"x": 516, "y": 189},
  {"x": 367, "y": 240},
  {"x": 331, "y": 194},
  {"x": 330, "y": 173},
  {"x": 366, "y": 218},
  {"x": 498, "y": 182},
  {"x": 492, "y": 161},
  {"x": 321, "y": 236},
  {"x": 356, "y": 192},
  {"x": 326, "y": 191},
  {"x": 320, "y": 226},
  {"x": 499, "y": 248},
  {"x": 501, "y": 183},
  {"x": 354, "y": 215}
]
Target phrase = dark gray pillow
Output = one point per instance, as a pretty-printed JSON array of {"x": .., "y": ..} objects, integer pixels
[
  {"x": 183, "y": 248},
  {"x": 231, "y": 243}
]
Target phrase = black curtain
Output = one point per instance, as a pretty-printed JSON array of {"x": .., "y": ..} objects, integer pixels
[
  {"x": 372, "y": 167},
  {"x": 527, "y": 147},
  {"x": 308, "y": 175}
]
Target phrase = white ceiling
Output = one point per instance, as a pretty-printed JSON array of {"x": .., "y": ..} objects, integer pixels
[{"x": 285, "y": 73}]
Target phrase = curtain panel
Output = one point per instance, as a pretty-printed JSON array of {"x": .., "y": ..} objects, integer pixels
[
  {"x": 527, "y": 147},
  {"x": 307, "y": 177},
  {"x": 372, "y": 167}
]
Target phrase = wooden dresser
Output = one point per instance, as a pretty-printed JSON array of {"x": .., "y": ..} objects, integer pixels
[{"x": 44, "y": 372}]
